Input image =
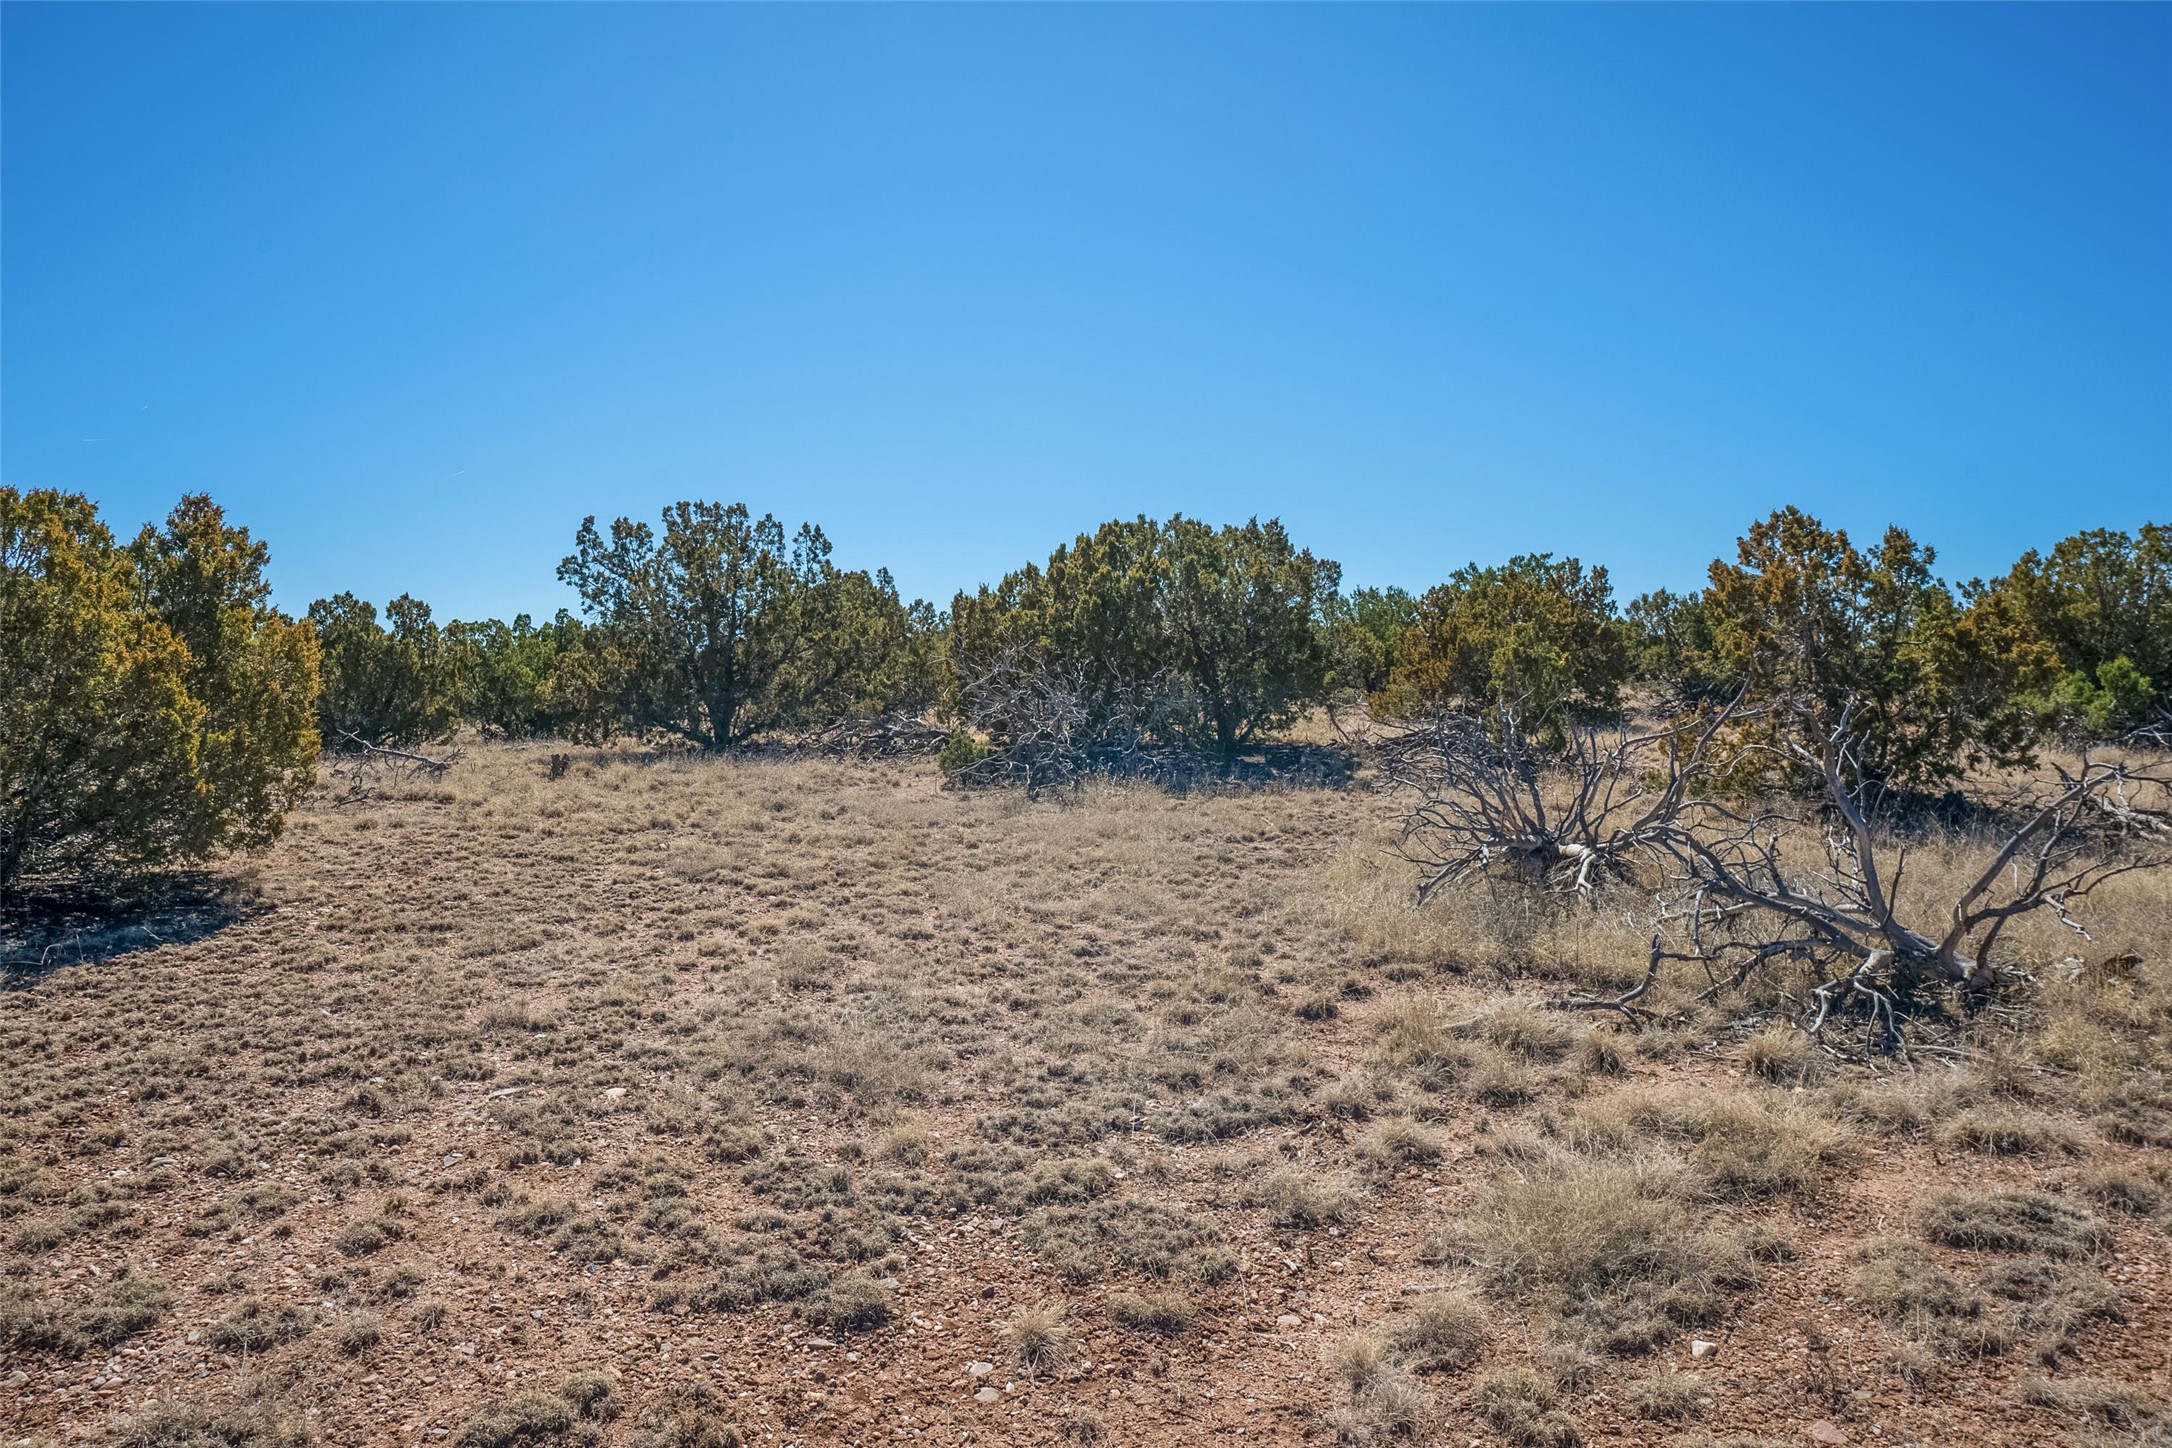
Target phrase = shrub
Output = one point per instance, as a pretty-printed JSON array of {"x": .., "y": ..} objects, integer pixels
[
  {"x": 1534, "y": 634},
  {"x": 1202, "y": 637},
  {"x": 395, "y": 683},
  {"x": 718, "y": 630},
  {"x": 153, "y": 707},
  {"x": 1930, "y": 682}
]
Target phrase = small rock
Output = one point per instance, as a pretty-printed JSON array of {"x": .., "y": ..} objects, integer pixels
[
  {"x": 1821, "y": 1431},
  {"x": 615, "y": 1094},
  {"x": 17, "y": 1378},
  {"x": 979, "y": 1370},
  {"x": 987, "y": 1395},
  {"x": 1700, "y": 1348},
  {"x": 1288, "y": 1319}
]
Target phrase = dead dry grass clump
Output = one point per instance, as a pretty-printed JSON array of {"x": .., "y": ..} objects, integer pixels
[
  {"x": 253, "y": 1327},
  {"x": 181, "y": 1425},
  {"x": 1084, "y": 1244},
  {"x": 1385, "y": 1403},
  {"x": 1525, "y": 1409},
  {"x": 1442, "y": 1332},
  {"x": 1400, "y": 1141},
  {"x": 131, "y": 1305},
  {"x": 530, "y": 1418},
  {"x": 1609, "y": 1246},
  {"x": 1296, "y": 1200},
  {"x": 1784, "y": 1056},
  {"x": 1927, "y": 1305},
  {"x": 1039, "y": 1336},
  {"x": 1668, "y": 1397},
  {"x": 1740, "y": 1145},
  {"x": 1166, "y": 1314},
  {"x": 2000, "y": 1130},
  {"x": 2013, "y": 1222}
]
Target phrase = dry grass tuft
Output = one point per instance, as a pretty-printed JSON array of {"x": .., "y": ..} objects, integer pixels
[
  {"x": 1444, "y": 1332},
  {"x": 1524, "y": 1408},
  {"x": 2013, "y": 1222},
  {"x": 1039, "y": 1337},
  {"x": 1166, "y": 1314},
  {"x": 1608, "y": 1245}
]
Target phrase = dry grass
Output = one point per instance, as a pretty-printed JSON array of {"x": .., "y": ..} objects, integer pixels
[{"x": 514, "y": 1083}]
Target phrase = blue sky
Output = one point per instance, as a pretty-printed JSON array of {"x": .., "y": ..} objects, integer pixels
[{"x": 411, "y": 289}]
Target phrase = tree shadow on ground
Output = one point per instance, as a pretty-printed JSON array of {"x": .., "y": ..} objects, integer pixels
[{"x": 51, "y": 928}]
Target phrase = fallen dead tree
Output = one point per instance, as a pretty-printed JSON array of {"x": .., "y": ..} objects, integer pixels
[
  {"x": 363, "y": 766},
  {"x": 1818, "y": 881}
]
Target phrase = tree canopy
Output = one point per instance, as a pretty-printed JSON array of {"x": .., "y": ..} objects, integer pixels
[
  {"x": 391, "y": 683},
  {"x": 1534, "y": 634},
  {"x": 1204, "y": 637},
  {"x": 153, "y": 706},
  {"x": 717, "y": 629},
  {"x": 1814, "y": 626}
]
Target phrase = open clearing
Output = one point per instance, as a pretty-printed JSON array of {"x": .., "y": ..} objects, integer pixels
[{"x": 802, "y": 1101}]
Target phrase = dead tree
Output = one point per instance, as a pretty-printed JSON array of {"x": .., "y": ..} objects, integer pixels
[
  {"x": 1049, "y": 726},
  {"x": 1735, "y": 887},
  {"x": 1569, "y": 817},
  {"x": 364, "y": 765}
]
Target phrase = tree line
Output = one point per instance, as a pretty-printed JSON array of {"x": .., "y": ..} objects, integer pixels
[{"x": 154, "y": 705}]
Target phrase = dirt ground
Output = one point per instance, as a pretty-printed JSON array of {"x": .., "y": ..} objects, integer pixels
[{"x": 805, "y": 1102}]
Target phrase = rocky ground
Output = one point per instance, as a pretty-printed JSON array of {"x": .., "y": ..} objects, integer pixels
[{"x": 806, "y": 1102}]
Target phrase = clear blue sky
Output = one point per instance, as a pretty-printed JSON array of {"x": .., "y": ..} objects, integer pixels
[{"x": 412, "y": 289}]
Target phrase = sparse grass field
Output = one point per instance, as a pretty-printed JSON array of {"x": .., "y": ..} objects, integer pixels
[{"x": 770, "y": 1101}]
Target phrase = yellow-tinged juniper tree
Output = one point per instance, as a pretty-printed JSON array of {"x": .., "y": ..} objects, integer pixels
[{"x": 154, "y": 707}]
